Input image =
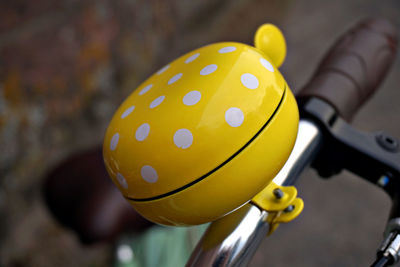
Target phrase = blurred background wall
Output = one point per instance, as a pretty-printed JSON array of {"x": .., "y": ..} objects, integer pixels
[{"x": 66, "y": 65}]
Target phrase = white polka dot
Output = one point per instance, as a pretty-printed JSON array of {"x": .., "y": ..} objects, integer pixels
[
  {"x": 249, "y": 80},
  {"x": 227, "y": 49},
  {"x": 163, "y": 69},
  {"x": 145, "y": 89},
  {"x": 157, "y": 101},
  {"x": 127, "y": 112},
  {"x": 192, "y": 57},
  {"x": 175, "y": 78},
  {"x": 234, "y": 117},
  {"x": 192, "y": 98},
  {"x": 183, "y": 138},
  {"x": 114, "y": 141},
  {"x": 208, "y": 69},
  {"x": 142, "y": 132},
  {"x": 122, "y": 181},
  {"x": 267, "y": 64},
  {"x": 149, "y": 174}
]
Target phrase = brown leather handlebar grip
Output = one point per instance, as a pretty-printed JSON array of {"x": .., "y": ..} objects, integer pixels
[{"x": 354, "y": 67}]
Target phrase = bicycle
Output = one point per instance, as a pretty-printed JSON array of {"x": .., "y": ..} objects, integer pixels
[{"x": 355, "y": 66}]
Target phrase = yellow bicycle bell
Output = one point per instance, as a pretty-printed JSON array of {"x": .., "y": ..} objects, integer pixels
[{"x": 204, "y": 134}]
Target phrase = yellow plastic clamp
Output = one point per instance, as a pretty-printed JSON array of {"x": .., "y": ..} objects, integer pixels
[{"x": 281, "y": 204}]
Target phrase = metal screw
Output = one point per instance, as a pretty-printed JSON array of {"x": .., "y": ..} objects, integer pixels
[
  {"x": 278, "y": 193},
  {"x": 388, "y": 142},
  {"x": 289, "y": 208}
]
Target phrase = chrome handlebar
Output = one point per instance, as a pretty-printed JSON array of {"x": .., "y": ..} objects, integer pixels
[{"x": 233, "y": 239}]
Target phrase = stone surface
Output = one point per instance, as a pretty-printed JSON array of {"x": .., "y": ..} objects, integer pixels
[{"x": 65, "y": 66}]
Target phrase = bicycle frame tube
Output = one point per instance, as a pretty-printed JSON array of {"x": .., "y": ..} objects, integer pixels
[{"x": 233, "y": 239}]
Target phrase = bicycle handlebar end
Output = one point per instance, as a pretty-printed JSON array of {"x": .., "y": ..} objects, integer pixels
[{"x": 354, "y": 67}]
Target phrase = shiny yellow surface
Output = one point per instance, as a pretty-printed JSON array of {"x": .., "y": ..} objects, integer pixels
[
  {"x": 270, "y": 40},
  {"x": 236, "y": 182},
  {"x": 186, "y": 146},
  {"x": 214, "y": 140}
]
